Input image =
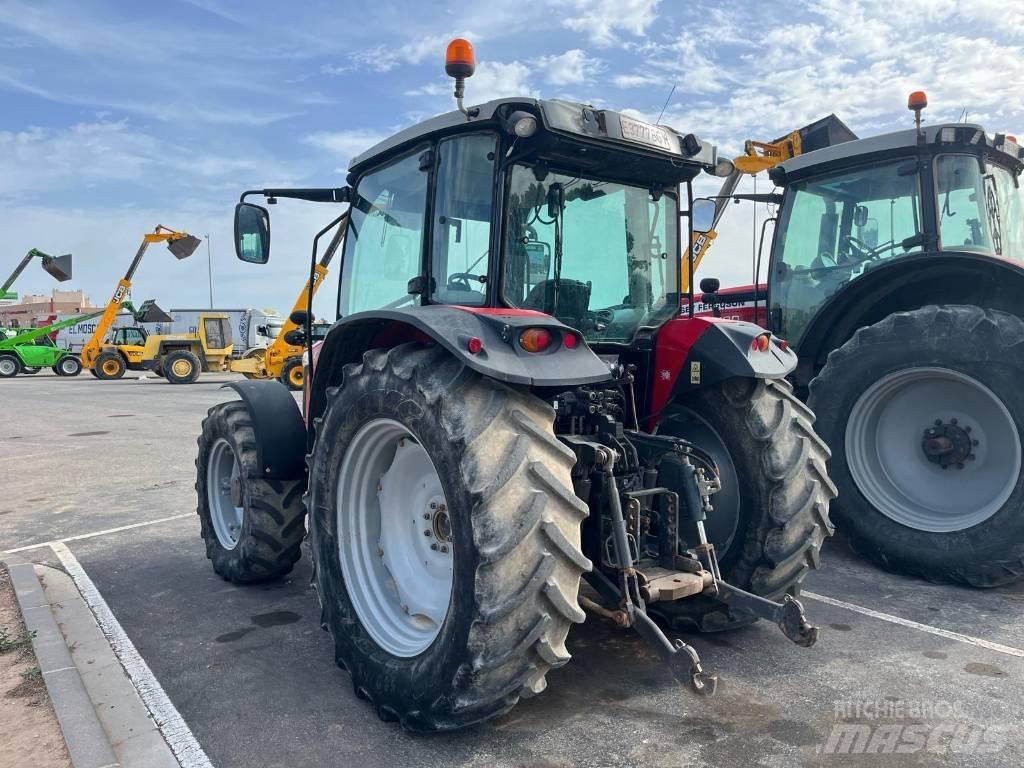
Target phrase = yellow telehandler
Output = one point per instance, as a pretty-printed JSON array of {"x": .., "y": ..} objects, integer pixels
[
  {"x": 179, "y": 358},
  {"x": 282, "y": 359}
]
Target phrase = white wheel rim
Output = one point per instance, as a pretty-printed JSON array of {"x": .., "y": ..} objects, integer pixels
[
  {"x": 394, "y": 538},
  {"x": 8, "y": 366},
  {"x": 67, "y": 365},
  {"x": 885, "y": 455},
  {"x": 224, "y": 494}
]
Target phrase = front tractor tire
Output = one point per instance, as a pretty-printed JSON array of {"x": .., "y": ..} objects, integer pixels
[
  {"x": 771, "y": 517},
  {"x": 109, "y": 365},
  {"x": 252, "y": 527},
  {"x": 445, "y": 536},
  {"x": 180, "y": 367},
  {"x": 924, "y": 413}
]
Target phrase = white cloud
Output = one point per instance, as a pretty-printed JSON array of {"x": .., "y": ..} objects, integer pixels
[
  {"x": 601, "y": 20},
  {"x": 344, "y": 144},
  {"x": 570, "y": 68}
]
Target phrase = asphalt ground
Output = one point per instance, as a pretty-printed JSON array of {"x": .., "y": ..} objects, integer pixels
[{"x": 252, "y": 674}]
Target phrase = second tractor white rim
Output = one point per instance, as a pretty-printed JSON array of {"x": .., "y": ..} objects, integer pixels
[
  {"x": 887, "y": 449},
  {"x": 394, "y": 538}
]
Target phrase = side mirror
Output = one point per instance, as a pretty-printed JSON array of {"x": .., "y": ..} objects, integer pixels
[
  {"x": 252, "y": 233},
  {"x": 860, "y": 215},
  {"x": 702, "y": 214},
  {"x": 298, "y": 317}
]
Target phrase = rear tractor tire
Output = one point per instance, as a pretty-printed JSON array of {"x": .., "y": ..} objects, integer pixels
[
  {"x": 771, "y": 517},
  {"x": 292, "y": 374},
  {"x": 108, "y": 366},
  {"x": 9, "y": 366},
  {"x": 924, "y": 413},
  {"x": 445, "y": 537},
  {"x": 252, "y": 527},
  {"x": 181, "y": 367}
]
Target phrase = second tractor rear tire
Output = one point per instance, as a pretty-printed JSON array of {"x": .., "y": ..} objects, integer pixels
[
  {"x": 776, "y": 493},
  {"x": 892, "y": 402},
  {"x": 489, "y": 460},
  {"x": 180, "y": 367}
]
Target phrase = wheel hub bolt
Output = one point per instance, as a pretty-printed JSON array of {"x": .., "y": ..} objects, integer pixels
[
  {"x": 427, "y": 533},
  {"x": 434, "y": 546},
  {"x": 444, "y": 548}
]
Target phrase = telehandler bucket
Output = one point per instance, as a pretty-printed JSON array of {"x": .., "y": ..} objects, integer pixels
[
  {"x": 183, "y": 247},
  {"x": 58, "y": 266}
]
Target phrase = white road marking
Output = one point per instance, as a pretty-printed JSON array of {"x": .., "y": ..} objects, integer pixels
[
  {"x": 173, "y": 727},
  {"x": 997, "y": 647},
  {"x": 50, "y": 452},
  {"x": 104, "y": 532}
]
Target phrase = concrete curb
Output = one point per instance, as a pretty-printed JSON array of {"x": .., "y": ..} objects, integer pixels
[{"x": 87, "y": 742}]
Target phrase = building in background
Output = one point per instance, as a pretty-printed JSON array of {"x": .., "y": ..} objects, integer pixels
[{"x": 30, "y": 310}]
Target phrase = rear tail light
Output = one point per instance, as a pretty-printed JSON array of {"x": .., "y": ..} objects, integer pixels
[
  {"x": 535, "y": 339},
  {"x": 760, "y": 343},
  {"x": 570, "y": 340},
  {"x": 474, "y": 345},
  {"x": 783, "y": 345}
]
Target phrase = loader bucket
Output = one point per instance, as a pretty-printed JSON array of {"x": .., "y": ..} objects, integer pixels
[
  {"x": 149, "y": 312},
  {"x": 58, "y": 266},
  {"x": 183, "y": 247},
  {"x": 824, "y": 133}
]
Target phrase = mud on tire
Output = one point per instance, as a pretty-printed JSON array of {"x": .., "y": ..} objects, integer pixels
[
  {"x": 515, "y": 530},
  {"x": 273, "y": 520},
  {"x": 784, "y": 495}
]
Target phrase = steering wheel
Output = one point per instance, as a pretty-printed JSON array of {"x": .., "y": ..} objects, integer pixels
[
  {"x": 460, "y": 281},
  {"x": 858, "y": 249}
]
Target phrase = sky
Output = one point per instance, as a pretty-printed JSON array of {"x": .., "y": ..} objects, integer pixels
[{"x": 116, "y": 116}]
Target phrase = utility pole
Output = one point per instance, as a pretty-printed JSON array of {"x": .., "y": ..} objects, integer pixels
[{"x": 209, "y": 268}]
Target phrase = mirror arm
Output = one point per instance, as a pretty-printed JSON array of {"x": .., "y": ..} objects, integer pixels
[{"x": 314, "y": 194}]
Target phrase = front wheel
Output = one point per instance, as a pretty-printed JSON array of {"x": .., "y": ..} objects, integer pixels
[
  {"x": 445, "y": 536},
  {"x": 923, "y": 411},
  {"x": 771, "y": 517},
  {"x": 69, "y": 365},
  {"x": 180, "y": 367},
  {"x": 292, "y": 374},
  {"x": 253, "y": 528},
  {"x": 109, "y": 365},
  {"x": 9, "y": 366}
]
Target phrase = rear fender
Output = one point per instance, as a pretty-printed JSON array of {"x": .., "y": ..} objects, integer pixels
[
  {"x": 500, "y": 357},
  {"x": 280, "y": 431},
  {"x": 691, "y": 353}
]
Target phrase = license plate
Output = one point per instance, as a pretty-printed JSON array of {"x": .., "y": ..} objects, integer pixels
[{"x": 644, "y": 133}]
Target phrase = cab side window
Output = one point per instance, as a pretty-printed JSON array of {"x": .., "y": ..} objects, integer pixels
[
  {"x": 462, "y": 219},
  {"x": 384, "y": 242}
]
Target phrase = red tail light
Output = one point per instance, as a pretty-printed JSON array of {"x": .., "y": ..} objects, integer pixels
[
  {"x": 760, "y": 343},
  {"x": 570, "y": 340},
  {"x": 535, "y": 339},
  {"x": 474, "y": 345}
]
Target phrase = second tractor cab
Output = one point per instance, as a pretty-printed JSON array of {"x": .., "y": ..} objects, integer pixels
[
  {"x": 510, "y": 401},
  {"x": 896, "y": 272}
]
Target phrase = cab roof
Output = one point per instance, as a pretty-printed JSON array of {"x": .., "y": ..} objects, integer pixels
[
  {"x": 612, "y": 130},
  {"x": 940, "y": 137}
]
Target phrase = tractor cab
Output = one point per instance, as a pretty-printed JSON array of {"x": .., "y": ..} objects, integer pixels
[
  {"x": 134, "y": 336},
  {"x": 867, "y": 213}
]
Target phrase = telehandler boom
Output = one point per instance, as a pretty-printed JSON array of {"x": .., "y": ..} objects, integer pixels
[{"x": 58, "y": 266}]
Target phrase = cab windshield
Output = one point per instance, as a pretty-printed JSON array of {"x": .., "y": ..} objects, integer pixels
[
  {"x": 594, "y": 254},
  {"x": 835, "y": 228}
]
